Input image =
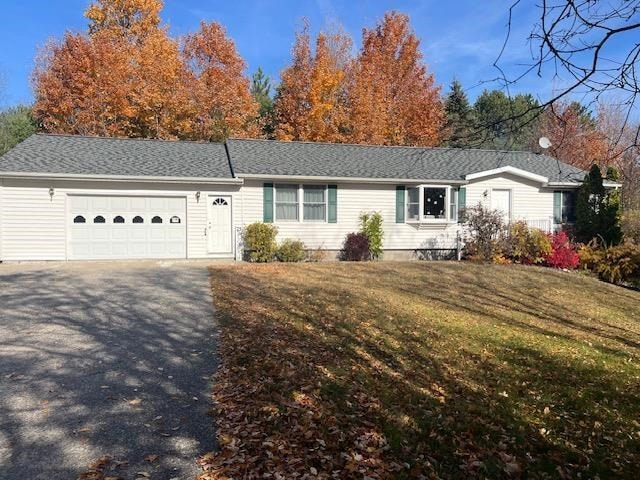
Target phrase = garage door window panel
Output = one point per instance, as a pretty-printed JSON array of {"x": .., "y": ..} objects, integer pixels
[
  {"x": 99, "y": 219},
  {"x": 138, "y": 219},
  {"x": 79, "y": 219}
]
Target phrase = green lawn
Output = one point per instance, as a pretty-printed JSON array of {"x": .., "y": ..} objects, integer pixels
[{"x": 424, "y": 370}]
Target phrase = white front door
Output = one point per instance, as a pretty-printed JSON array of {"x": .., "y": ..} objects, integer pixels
[
  {"x": 501, "y": 201},
  {"x": 219, "y": 231}
]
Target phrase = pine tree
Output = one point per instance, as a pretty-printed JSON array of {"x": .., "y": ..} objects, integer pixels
[
  {"x": 458, "y": 128},
  {"x": 598, "y": 211},
  {"x": 261, "y": 91}
]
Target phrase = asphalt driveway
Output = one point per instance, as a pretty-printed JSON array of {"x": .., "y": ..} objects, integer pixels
[{"x": 105, "y": 359}]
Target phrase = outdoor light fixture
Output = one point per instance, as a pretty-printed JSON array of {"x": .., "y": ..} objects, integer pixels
[
  {"x": 485, "y": 194},
  {"x": 198, "y": 196},
  {"x": 51, "y": 192}
]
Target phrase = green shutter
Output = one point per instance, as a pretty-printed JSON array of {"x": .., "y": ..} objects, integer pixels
[
  {"x": 267, "y": 197},
  {"x": 333, "y": 204},
  {"x": 400, "y": 203},
  {"x": 557, "y": 207},
  {"x": 462, "y": 202}
]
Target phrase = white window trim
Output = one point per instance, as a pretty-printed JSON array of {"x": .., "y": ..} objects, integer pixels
[
  {"x": 423, "y": 219},
  {"x": 300, "y": 203}
]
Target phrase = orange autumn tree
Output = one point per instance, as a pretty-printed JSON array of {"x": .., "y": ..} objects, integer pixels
[
  {"x": 311, "y": 103},
  {"x": 82, "y": 88},
  {"x": 575, "y": 138},
  {"x": 224, "y": 105},
  {"x": 328, "y": 114},
  {"x": 394, "y": 100},
  {"x": 128, "y": 77},
  {"x": 129, "y": 19}
]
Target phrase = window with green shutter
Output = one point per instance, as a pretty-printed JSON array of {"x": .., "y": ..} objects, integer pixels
[
  {"x": 333, "y": 204},
  {"x": 267, "y": 203},
  {"x": 400, "y": 203},
  {"x": 462, "y": 202}
]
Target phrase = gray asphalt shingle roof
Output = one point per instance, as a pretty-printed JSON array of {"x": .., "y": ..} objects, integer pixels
[
  {"x": 264, "y": 157},
  {"x": 75, "y": 155}
]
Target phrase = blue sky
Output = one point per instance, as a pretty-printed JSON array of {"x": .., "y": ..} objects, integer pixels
[{"x": 460, "y": 39}]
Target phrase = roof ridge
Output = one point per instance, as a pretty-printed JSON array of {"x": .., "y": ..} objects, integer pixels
[
  {"x": 140, "y": 139},
  {"x": 366, "y": 145}
]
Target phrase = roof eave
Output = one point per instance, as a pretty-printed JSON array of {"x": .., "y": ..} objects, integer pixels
[
  {"x": 317, "y": 178},
  {"x": 120, "y": 178},
  {"x": 511, "y": 170}
]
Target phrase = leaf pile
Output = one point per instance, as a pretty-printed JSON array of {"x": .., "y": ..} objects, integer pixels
[{"x": 388, "y": 370}]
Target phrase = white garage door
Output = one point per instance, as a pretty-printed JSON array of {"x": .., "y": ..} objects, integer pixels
[{"x": 109, "y": 227}]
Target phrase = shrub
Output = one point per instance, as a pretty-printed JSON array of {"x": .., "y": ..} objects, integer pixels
[
  {"x": 615, "y": 264},
  {"x": 590, "y": 255},
  {"x": 526, "y": 245},
  {"x": 260, "y": 241},
  {"x": 563, "y": 252},
  {"x": 371, "y": 227},
  {"x": 320, "y": 254},
  {"x": 486, "y": 231},
  {"x": 356, "y": 248},
  {"x": 291, "y": 251},
  {"x": 631, "y": 226}
]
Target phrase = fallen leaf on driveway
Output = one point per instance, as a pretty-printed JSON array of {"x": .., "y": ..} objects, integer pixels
[{"x": 151, "y": 458}]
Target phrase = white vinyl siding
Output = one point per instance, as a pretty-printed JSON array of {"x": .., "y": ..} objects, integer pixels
[
  {"x": 352, "y": 199},
  {"x": 34, "y": 225},
  {"x": 529, "y": 201}
]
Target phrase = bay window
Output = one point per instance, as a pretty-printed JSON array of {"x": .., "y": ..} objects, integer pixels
[
  {"x": 432, "y": 203},
  {"x": 435, "y": 203},
  {"x": 413, "y": 204}
]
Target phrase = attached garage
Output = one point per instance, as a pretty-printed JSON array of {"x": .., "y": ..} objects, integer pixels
[
  {"x": 126, "y": 227},
  {"x": 86, "y": 198}
]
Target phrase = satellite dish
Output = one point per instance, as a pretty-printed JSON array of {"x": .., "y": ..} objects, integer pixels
[{"x": 544, "y": 142}]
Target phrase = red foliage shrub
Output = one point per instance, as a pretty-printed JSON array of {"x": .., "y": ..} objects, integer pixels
[
  {"x": 356, "y": 248},
  {"x": 564, "y": 253}
]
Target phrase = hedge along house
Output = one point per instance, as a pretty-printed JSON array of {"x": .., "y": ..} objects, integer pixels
[{"x": 83, "y": 198}]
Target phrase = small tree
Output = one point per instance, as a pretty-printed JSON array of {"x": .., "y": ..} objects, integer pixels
[
  {"x": 598, "y": 210},
  {"x": 486, "y": 229},
  {"x": 371, "y": 227}
]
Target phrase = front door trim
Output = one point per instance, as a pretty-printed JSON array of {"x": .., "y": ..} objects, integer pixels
[{"x": 210, "y": 199}]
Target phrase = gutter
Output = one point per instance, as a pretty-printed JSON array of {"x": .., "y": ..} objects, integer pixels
[
  {"x": 579, "y": 184},
  {"x": 352, "y": 179},
  {"x": 120, "y": 178}
]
